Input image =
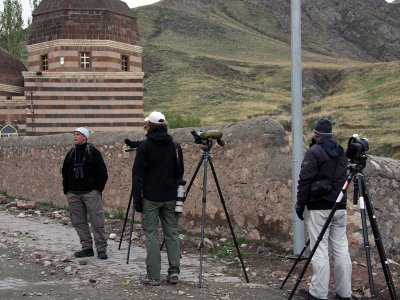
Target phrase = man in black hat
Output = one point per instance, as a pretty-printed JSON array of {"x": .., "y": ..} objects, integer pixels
[{"x": 322, "y": 176}]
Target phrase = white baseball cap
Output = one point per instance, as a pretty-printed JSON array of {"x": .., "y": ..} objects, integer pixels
[
  {"x": 156, "y": 118},
  {"x": 83, "y": 131}
]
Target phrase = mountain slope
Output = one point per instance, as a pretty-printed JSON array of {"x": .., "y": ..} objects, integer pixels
[{"x": 215, "y": 61}]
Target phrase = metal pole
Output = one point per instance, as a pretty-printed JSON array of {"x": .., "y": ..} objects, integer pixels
[{"x": 297, "y": 122}]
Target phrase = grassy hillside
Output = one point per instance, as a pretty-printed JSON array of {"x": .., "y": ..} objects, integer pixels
[{"x": 215, "y": 61}]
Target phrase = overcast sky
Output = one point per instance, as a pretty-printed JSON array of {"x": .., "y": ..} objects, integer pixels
[
  {"x": 27, "y": 14},
  {"x": 26, "y": 10}
]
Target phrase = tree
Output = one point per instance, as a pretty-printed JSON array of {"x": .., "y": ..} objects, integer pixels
[
  {"x": 11, "y": 27},
  {"x": 33, "y": 4}
]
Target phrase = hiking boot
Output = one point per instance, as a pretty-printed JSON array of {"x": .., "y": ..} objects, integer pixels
[
  {"x": 342, "y": 298},
  {"x": 173, "y": 278},
  {"x": 146, "y": 280},
  {"x": 84, "y": 253},
  {"x": 102, "y": 254},
  {"x": 305, "y": 295}
]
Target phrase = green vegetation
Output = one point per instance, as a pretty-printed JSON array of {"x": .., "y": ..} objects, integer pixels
[
  {"x": 209, "y": 63},
  {"x": 226, "y": 248},
  {"x": 117, "y": 214}
]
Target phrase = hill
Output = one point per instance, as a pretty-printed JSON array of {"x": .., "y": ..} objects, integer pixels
[{"x": 215, "y": 61}]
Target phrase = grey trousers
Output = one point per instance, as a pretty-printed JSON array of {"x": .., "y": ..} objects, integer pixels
[
  {"x": 335, "y": 237},
  {"x": 82, "y": 206}
]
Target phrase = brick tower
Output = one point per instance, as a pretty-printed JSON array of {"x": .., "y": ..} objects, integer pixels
[{"x": 84, "y": 67}]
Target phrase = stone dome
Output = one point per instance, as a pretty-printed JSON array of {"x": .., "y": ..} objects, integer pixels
[
  {"x": 83, "y": 19},
  {"x": 11, "y": 69}
]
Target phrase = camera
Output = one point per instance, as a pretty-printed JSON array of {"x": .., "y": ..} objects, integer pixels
[
  {"x": 357, "y": 148},
  {"x": 78, "y": 171},
  {"x": 180, "y": 197}
]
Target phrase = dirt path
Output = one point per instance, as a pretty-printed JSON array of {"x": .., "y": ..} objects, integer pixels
[{"x": 36, "y": 262}]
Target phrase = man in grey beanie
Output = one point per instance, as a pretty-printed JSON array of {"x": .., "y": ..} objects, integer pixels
[{"x": 322, "y": 176}]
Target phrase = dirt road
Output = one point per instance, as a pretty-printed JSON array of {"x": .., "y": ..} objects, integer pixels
[{"x": 37, "y": 263}]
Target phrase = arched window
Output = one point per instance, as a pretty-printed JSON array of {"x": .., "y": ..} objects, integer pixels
[{"x": 8, "y": 131}]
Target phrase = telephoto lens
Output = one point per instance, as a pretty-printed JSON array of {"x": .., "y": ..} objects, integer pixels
[{"x": 180, "y": 198}]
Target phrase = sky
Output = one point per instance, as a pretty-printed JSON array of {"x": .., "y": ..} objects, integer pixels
[{"x": 27, "y": 14}]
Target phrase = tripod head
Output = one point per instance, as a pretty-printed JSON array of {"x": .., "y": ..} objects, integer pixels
[{"x": 356, "y": 168}]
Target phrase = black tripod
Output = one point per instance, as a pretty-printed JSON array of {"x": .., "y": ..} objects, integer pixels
[
  {"x": 205, "y": 159},
  {"x": 131, "y": 226},
  {"x": 360, "y": 194}
]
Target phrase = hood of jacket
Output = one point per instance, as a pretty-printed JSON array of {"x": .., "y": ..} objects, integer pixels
[
  {"x": 331, "y": 147},
  {"x": 159, "y": 137}
]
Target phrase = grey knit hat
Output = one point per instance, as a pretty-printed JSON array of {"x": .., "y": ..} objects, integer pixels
[{"x": 323, "y": 128}]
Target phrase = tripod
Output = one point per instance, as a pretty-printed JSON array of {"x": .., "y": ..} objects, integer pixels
[
  {"x": 205, "y": 160},
  {"x": 131, "y": 227},
  {"x": 360, "y": 193}
]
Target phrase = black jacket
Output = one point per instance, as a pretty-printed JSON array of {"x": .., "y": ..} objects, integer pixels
[
  {"x": 94, "y": 170},
  {"x": 324, "y": 159},
  {"x": 156, "y": 172}
]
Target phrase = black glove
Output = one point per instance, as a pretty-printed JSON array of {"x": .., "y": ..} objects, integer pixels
[
  {"x": 300, "y": 210},
  {"x": 132, "y": 144},
  {"x": 139, "y": 206}
]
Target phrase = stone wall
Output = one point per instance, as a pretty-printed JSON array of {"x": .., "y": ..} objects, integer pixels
[{"x": 253, "y": 170}]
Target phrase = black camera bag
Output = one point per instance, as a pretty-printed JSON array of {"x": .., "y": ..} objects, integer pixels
[{"x": 323, "y": 185}]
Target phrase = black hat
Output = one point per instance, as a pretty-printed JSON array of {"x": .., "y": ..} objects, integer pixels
[{"x": 323, "y": 127}]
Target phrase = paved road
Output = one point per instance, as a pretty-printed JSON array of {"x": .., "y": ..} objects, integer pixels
[{"x": 23, "y": 275}]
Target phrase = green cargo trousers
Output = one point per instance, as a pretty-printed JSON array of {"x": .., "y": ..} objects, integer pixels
[
  {"x": 164, "y": 211},
  {"x": 81, "y": 206}
]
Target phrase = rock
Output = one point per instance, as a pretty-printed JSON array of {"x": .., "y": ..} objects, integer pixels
[
  {"x": 11, "y": 204},
  {"x": 83, "y": 262},
  {"x": 58, "y": 214},
  {"x": 65, "y": 259},
  {"x": 261, "y": 249},
  {"x": 47, "y": 263},
  {"x": 207, "y": 244},
  {"x": 112, "y": 236},
  {"x": 21, "y": 215},
  {"x": 36, "y": 254},
  {"x": 26, "y": 204},
  {"x": 3, "y": 199}
]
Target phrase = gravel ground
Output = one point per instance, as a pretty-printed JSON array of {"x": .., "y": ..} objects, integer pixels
[{"x": 36, "y": 262}]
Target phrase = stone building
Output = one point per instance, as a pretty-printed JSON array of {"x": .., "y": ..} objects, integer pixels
[
  {"x": 12, "y": 99},
  {"x": 84, "y": 68}
]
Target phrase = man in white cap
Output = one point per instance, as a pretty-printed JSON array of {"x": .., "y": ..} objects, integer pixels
[
  {"x": 157, "y": 171},
  {"x": 84, "y": 178}
]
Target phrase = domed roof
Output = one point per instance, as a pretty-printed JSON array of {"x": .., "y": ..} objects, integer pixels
[
  {"x": 83, "y": 20},
  {"x": 116, "y": 6},
  {"x": 11, "y": 69}
]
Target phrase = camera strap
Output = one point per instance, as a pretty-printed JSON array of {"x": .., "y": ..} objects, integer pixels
[
  {"x": 88, "y": 151},
  {"x": 178, "y": 159}
]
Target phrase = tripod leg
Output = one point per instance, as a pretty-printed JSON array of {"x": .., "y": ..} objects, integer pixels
[
  {"x": 194, "y": 175},
  {"x": 203, "y": 219},
  {"x": 379, "y": 243},
  {"x": 229, "y": 221},
  {"x": 361, "y": 202},
  {"x": 130, "y": 236},
  {"x": 321, "y": 235},
  {"x": 126, "y": 219},
  {"x": 295, "y": 263}
]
